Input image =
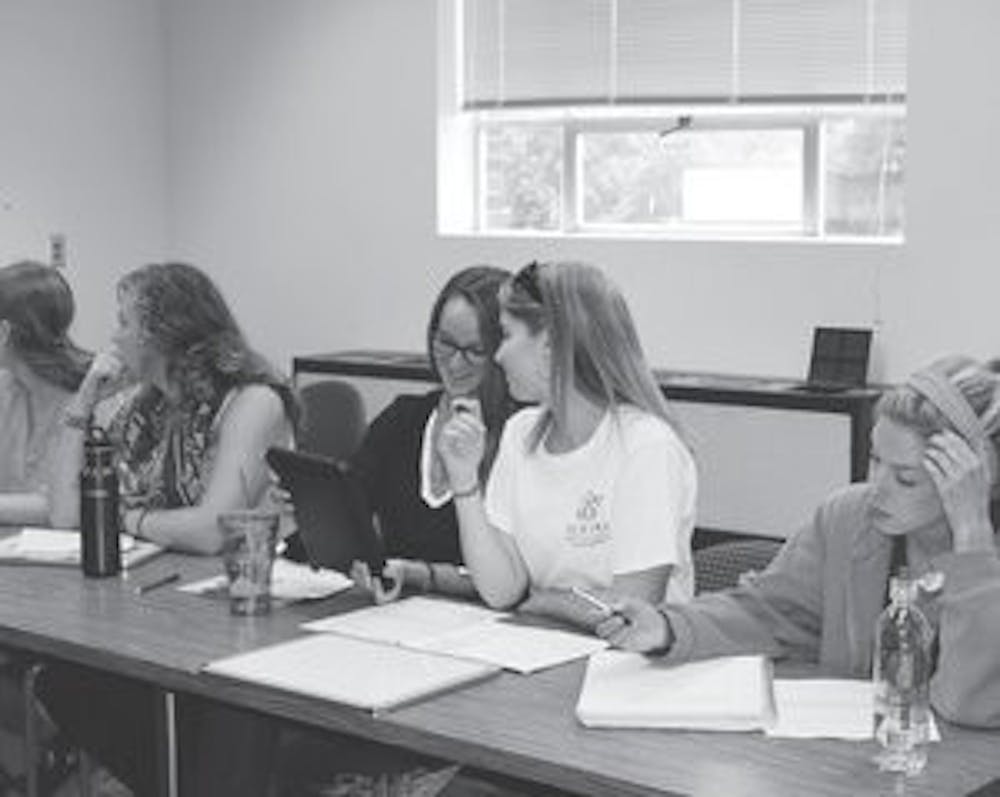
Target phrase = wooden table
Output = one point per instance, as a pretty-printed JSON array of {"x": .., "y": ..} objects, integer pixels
[{"x": 523, "y": 726}]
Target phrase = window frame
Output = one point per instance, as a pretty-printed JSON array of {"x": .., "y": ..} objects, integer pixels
[{"x": 575, "y": 122}]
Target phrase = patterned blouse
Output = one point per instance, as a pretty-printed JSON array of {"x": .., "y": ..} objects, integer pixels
[{"x": 166, "y": 452}]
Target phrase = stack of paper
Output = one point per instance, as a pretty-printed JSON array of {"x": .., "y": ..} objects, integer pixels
[
  {"x": 462, "y": 629},
  {"x": 629, "y": 690},
  {"x": 354, "y": 672}
]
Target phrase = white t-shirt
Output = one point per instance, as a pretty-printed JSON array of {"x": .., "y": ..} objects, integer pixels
[{"x": 622, "y": 502}]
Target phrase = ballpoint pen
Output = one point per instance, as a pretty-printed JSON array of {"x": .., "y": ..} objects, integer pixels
[
  {"x": 604, "y": 608},
  {"x": 170, "y": 578}
]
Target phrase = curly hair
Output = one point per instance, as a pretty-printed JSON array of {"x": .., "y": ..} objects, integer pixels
[
  {"x": 184, "y": 317},
  {"x": 37, "y": 303}
]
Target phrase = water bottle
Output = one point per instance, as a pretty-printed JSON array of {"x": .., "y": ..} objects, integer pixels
[
  {"x": 99, "y": 553},
  {"x": 901, "y": 672}
]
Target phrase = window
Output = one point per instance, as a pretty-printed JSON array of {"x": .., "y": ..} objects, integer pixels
[{"x": 695, "y": 118}]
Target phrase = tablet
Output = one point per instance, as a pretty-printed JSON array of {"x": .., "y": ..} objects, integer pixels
[{"x": 334, "y": 520}]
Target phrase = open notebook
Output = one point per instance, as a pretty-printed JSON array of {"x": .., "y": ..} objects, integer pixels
[
  {"x": 629, "y": 690},
  {"x": 466, "y": 630},
  {"x": 35, "y": 546},
  {"x": 354, "y": 672}
]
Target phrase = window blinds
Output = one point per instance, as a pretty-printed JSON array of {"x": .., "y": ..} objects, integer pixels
[{"x": 521, "y": 53}]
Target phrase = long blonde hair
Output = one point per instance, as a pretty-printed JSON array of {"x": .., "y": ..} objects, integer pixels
[{"x": 594, "y": 343}]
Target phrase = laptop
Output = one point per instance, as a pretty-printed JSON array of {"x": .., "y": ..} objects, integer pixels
[
  {"x": 335, "y": 523},
  {"x": 839, "y": 360}
]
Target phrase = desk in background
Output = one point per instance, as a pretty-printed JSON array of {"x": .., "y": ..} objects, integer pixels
[
  {"x": 523, "y": 726},
  {"x": 768, "y": 450}
]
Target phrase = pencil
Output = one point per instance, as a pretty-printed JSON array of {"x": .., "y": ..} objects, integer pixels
[{"x": 170, "y": 578}]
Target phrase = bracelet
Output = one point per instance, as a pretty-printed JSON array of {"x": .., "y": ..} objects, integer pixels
[
  {"x": 429, "y": 583},
  {"x": 433, "y": 585},
  {"x": 466, "y": 493}
]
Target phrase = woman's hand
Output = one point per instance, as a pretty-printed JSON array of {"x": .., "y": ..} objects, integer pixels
[
  {"x": 385, "y": 589},
  {"x": 962, "y": 479},
  {"x": 461, "y": 444},
  {"x": 106, "y": 376},
  {"x": 636, "y": 626},
  {"x": 566, "y": 606},
  {"x": 280, "y": 500}
]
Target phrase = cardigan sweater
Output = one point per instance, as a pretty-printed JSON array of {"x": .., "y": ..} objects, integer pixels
[{"x": 819, "y": 599}]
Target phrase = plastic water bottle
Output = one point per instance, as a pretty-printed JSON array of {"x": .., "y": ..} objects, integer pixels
[
  {"x": 901, "y": 672},
  {"x": 100, "y": 555}
]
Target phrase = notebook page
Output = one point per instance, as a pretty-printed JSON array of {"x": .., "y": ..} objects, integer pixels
[
  {"x": 521, "y": 648},
  {"x": 406, "y": 622}
]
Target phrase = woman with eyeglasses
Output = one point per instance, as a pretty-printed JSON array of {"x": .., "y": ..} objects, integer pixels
[
  {"x": 592, "y": 490},
  {"x": 398, "y": 462},
  {"x": 410, "y": 491}
]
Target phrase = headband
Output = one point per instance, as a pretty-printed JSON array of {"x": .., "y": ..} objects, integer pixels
[{"x": 934, "y": 385}]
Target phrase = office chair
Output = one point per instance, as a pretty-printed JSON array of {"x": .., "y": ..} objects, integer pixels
[
  {"x": 333, "y": 418},
  {"x": 720, "y": 566}
]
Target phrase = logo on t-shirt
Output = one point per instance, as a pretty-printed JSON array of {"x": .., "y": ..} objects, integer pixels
[{"x": 590, "y": 526}]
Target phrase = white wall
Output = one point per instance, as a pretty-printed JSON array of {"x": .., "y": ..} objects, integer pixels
[
  {"x": 301, "y": 149},
  {"x": 81, "y": 141},
  {"x": 303, "y": 145}
]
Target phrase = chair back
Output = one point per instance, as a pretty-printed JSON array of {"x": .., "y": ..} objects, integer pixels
[
  {"x": 333, "y": 419},
  {"x": 719, "y": 566}
]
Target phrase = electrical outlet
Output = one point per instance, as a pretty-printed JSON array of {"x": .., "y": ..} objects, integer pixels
[{"x": 57, "y": 250}]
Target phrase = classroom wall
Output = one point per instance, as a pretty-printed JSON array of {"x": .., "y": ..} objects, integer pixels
[
  {"x": 81, "y": 141},
  {"x": 290, "y": 148},
  {"x": 303, "y": 173}
]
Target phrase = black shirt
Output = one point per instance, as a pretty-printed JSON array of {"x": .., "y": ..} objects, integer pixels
[{"x": 388, "y": 464}]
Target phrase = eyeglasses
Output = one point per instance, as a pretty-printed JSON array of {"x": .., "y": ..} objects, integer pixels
[
  {"x": 473, "y": 354},
  {"x": 526, "y": 280}
]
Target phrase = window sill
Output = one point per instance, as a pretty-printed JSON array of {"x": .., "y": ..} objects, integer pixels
[{"x": 651, "y": 237}]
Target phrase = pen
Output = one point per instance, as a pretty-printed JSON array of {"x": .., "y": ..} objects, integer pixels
[
  {"x": 170, "y": 578},
  {"x": 594, "y": 601}
]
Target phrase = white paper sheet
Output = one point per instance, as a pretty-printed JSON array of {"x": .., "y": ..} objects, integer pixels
[
  {"x": 827, "y": 708},
  {"x": 34, "y": 545},
  {"x": 290, "y": 581}
]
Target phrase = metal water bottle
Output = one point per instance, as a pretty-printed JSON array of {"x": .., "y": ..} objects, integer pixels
[{"x": 99, "y": 506}]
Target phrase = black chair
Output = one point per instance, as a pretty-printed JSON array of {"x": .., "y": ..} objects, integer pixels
[
  {"x": 719, "y": 566},
  {"x": 333, "y": 419}
]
